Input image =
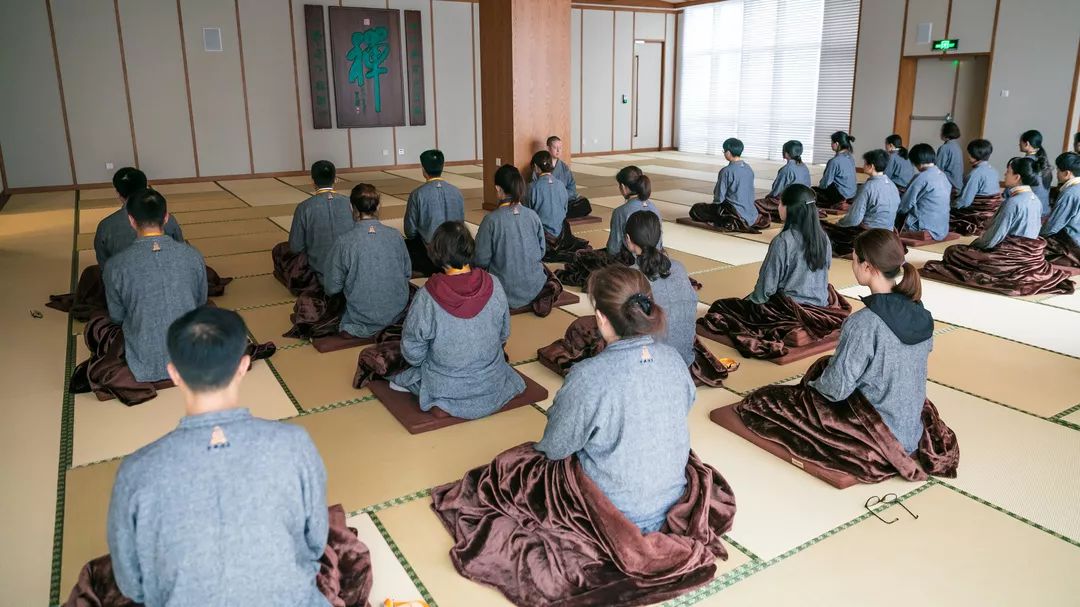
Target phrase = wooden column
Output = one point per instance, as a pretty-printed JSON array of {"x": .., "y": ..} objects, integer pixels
[{"x": 524, "y": 81}]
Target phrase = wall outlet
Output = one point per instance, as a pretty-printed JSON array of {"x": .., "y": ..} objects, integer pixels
[
  {"x": 108, "y": 166},
  {"x": 498, "y": 162},
  {"x": 924, "y": 33},
  {"x": 386, "y": 152},
  {"x": 1004, "y": 92},
  {"x": 401, "y": 152}
]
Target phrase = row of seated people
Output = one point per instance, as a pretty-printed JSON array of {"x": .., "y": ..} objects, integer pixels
[{"x": 610, "y": 506}]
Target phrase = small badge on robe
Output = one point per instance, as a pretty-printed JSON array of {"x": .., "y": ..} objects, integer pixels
[
  {"x": 516, "y": 210},
  {"x": 646, "y": 356},
  {"x": 156, "y": 247},
  {"x": 218, "y": 439},
  {"x": 371, "y": 229}
]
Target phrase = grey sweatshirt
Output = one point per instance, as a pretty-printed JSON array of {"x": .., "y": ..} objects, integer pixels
[
  {"x": 114, "y": 234},
  {"x": 617, "y": 233},
  {"x": 926, "y": 203},
  {"x": 147, "y": 290},
  {"x": 785, "y": 271},
  {"x": 899, "y": 170},
  {"x": 317, "y": 223},
  {"x": 226, "y": 509},
  {"x": 548, "y": 197},
  {"x": 791, "y": 172},
  {"x": 371, "y": 266},
  {"x": 888, "y": 371},
  {"x": 1019, "y": 215},
  {"x": 1066, "y": 213},
  {"x": 840, "y": 170},
  {"x": 677, "y": 297},
  {"x": 623, "y": 412},
  {"x": 430, "y": 206},
  {"x": 458, "y": 363},
  {"x": 875, "y": 205},
  {"x": 735, "y": 186},
  {"x": 510, "y": 245},
  {"x": 982, "y": 180},
  {"x": 950, "y": 159}
]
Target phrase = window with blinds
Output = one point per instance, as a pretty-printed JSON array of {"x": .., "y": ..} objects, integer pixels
[{"x": 766, "y": 71}]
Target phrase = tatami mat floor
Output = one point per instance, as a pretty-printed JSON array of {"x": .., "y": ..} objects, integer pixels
[{"x": 1005, "y": 374}]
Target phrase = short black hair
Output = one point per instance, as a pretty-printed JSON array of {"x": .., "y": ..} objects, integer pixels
[
  {"x": 452, "y": 245},
  {"x": 878, "y": 158},
  {"x": 980, "y": 149},
  {"x": 128, "y": 180},
  {"x": 734, "y": 146},
  {"x": 1025, "y": 168},
  {"x": 323, "y": 173},
  {"x": 922, "y": 153},
  {"x": 509, "y": 179},
  {"x": 1068, "y": 162},
  {"x": 148, "y": 208},
  {"x": 433, "y": 161},
  {"x": 365, "y": 199},
  {"x": 950, "y": 130},
  {"x": 206, "y": 345},
  {"x": 552, "y": 139}
]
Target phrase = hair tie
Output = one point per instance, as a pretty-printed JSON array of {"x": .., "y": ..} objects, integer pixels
[{"x": 642, "y": 301}]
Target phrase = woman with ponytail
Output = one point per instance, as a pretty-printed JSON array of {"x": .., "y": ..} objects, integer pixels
[
  {"x": 510, "y": 245},
  {"x": 793, "y": 171},
  {"x": 899, "y": 168},
  {"x": 612, "y": 481},
  {"x": 863, "y": 411},
  {"x": 793, "y": 305},
  {"x": 1009, "y": 257},
  {"x": 838, "y": 184},
  {"x": 1062, "y": 229},
  {"x": 549, "y": 198},
  {"x": 672, "y": 290},
  {"x": 636, "y": 188},
  {"x": 950, "y": 158},
  {"x": 1031, "y": 144}
]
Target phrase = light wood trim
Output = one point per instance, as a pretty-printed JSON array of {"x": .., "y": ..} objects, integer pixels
[
  {"x": 243, "y": 87},
  {"x": 905, "y": 97},
  {"x": 187, "y": 87},
  {"x": 127, "y": 88},
  {"x": 1067, "y": 143},
  {"x": 948, "y": 19},
  {"x": 990, "y": 68},
  {"x": 3, "y": 176},
  {"x": 681, "y": 5},
  {"x": 296, "y": 84},
  {"x": 60, "y": 85},
  {"x": 632, "y": 4}
]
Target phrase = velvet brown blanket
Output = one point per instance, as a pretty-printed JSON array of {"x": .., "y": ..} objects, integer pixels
[
  {"x": 848, "y": 436},
  {"x": 727, "y": 219},
  {"x": 1015, "y": 267},
  {"x": 583, "y": 340},
  {"x": 89, "y": 295},
  {"x": 344, "y": 575},
  {"x": 769, "y": 206},
  {"x": 545, "y": 300},
  {"x": 830, "y": 199},
  {"x": 1062, "y": 251},
  {"x": 563, "y": 248},
  {"x": 382, "y": 360},
  {"x": 106, "y": 373},
  {"x": 767, "y": 330},
  {"x": 292, "y": 269},
  {"x": 842, "y": 237},
  {"x": 543, "y": 534},
  {"x": 971, "y": 220},
  {"x": 316, "y": 315},
  {"x": 576, "y": 272}
]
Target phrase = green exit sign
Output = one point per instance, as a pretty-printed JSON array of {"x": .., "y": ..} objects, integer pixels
[{"x": 949, "y": 44}]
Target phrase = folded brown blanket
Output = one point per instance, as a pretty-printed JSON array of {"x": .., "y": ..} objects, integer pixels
[
  {"x": 971, "y": 220},
  {"x": 1017, "y": 266},
  {"x": 292, "y": 269},
  {"x": 544, "y": 534}
]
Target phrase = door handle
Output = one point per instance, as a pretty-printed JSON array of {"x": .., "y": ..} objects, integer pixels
[{"x": 945, "y": 118}]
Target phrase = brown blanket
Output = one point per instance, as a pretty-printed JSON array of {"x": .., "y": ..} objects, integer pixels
[
  {"x": 576, "y": 272},
  {"x": 292, "y": 269},
  {"x": 545, "y": 300},
  {"x": 769, "y": 206},
  {"x": 767, "y": 330},
  {"x": 831, "y": 200},
  {"x": 344, "y": 575},
  {"x": 971, "y": 220},
  {"x": 315, "y": 315},
  {"x": 382, "y": 360},
  {"x": 544, "y": 534},
  {"x": 1015, "y": 267},
  {"x": 561, "y": 249},
  {"x": 583, "y": 340},
  {"x": 89, "y": 295},
  {"x": 842, "y": 237},
  {"x": 726, "y": 218},
  {"x": 848, "y": 436},
  {"x": 1062, "y": 251}
]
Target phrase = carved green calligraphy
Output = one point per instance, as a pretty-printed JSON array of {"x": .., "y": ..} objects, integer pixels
[{"x": 370, "y": 49}]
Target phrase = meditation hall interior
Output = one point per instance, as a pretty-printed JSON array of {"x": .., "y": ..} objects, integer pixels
[{"x": 546, "y": 303}]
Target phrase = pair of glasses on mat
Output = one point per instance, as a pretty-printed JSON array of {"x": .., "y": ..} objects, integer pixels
[{"x": 889, "y": 499}]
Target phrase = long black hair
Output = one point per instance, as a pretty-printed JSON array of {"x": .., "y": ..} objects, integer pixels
[
  {"x": 802, "y": 216},
  {"x": 897, "y": 142},
  {"x": 1024, "y": 167},
  {"x": 643, "y": 228},
  {"x": 636, "y": 181},
  {"x": 1042, "y": 161},
  {"x": 793, "y": 149},
  {"x": 842, "y": 140}
]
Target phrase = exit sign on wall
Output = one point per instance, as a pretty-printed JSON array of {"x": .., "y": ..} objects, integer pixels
[{"x": 949, "y": 44}]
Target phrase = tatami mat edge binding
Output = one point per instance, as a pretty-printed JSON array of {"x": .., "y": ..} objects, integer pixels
[
  {"x": 1052, "y": 419},
  {"x": 404, "y": 561},
  {"x": 1029, "y": 522}
]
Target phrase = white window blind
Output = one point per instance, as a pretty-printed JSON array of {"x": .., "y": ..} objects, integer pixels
[{"x": 758, "y": 70}]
